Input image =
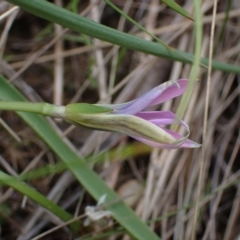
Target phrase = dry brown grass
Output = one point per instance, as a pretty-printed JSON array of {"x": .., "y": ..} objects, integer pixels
[{"x": 164, "y": 182}]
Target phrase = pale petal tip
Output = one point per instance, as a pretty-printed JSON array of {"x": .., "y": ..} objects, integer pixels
[
  {"x": 193, "y": 145},
  {"x": 175, "y": 82},
  {"x": 171, "y": 83}
]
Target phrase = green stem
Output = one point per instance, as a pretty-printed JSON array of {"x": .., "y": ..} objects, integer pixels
[
  {"x": 185, "y": 100},
  {"x": 45, "y": 109}
]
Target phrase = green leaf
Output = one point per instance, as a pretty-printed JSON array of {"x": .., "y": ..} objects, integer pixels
[
  {"x": 173, "y": 5},
  {"x": 86, "y": 177},
  {"x": 83, "y": 25}
]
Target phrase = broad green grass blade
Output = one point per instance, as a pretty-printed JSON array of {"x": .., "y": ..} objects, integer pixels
[
  {"x": 39, "y": 198},
  {"x": 83, "y": 25},
  {"x": 88, "y": 178},
  {"x": 173, "y": 5}
]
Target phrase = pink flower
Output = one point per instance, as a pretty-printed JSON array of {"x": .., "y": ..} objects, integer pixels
[
  {"x": 131, "y": 119},
  {"x": 157, "y": 95}
]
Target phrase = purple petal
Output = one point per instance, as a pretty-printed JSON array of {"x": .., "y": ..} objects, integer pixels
[
  {"x": 171, "y": 92},
  {"x": 160, "y": 117},
  {"x": 185, "y": 144},
  {"x": 159, "y": 94}
]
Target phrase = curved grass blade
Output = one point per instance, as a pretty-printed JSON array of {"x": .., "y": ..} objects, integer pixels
[
  {"x": 83, "y": 25},
  {"x": 88, "y": 178}
]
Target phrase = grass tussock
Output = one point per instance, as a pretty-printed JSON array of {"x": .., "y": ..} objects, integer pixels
[{"x": 49, "y": 63}]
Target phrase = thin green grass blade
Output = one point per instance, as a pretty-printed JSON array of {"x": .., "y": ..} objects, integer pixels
[
  {"x": 88, "y": 178},
  {"x": 115, "y": 155},
  {"x": 83, "y": 25},
  {"x": 223, "y": 27},
  {"x": 197, "y": 59},
  {"x": 43, "y": 172},
  {"x": 136, "y": 23},
  {"x": 39, "y": 198},
  {"x": 173, "y": 5}
]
